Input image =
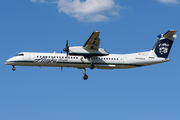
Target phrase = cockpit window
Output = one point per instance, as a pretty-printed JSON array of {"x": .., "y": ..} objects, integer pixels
[{"x": 20, "y": 54}]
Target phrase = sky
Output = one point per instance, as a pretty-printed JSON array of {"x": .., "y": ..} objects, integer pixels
[{"x": 126, "y": 26}]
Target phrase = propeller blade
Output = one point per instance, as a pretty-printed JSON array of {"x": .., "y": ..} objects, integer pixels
[
  {"x": 67, "y": 48},
  {"x": 66, "y": 43}
]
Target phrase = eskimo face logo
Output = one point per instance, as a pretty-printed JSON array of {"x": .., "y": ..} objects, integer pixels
[{"x": 163, "y": 48}]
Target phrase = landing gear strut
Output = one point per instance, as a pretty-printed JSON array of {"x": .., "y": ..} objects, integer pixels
[
  {"x": 85, "y": 77},
  {"x": 92, "y": 65},
  {"x": 13, "y": 68}
]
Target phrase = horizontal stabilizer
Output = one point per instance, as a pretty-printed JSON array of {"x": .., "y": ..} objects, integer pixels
[{"x": 169, "y": 34}]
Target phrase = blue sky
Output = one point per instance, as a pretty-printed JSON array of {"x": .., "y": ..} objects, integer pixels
[{"x": 127, "y": 26}]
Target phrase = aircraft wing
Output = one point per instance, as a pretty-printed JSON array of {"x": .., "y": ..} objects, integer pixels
[{"x": 93, "y": 41}]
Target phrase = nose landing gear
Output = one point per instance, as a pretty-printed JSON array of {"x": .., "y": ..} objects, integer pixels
[{"x": 13, "y": 68}]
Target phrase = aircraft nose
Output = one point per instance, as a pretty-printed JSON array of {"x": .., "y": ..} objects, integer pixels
[{"x": 9, "y": 61}]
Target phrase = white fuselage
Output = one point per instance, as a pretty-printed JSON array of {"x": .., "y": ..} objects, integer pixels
[{"x": 111, "y": 61}]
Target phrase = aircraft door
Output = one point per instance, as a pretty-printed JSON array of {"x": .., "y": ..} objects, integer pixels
[
  {"x": 31, "y": 57},
  {"x": 121, "y": 60}
]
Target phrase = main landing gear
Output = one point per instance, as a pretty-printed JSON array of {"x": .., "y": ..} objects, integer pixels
[
  {"x": 13, "y": 68},
  {"x": 85, "y": 77},
  {"x": 92, "y": 66}
]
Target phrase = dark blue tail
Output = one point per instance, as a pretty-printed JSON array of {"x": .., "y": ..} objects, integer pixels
[
  {"x": 163, "y": 47},
  {"x": 164, "y": 44}
]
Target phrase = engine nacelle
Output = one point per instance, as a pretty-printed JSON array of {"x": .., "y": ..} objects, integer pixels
[{"x": 87, "y": 52}]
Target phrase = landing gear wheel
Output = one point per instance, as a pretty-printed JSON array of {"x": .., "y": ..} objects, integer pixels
[
  {"x": 85, "y": 77},
  {"x": 92, "y": 66},
  {"x": 13, "y": 68}
]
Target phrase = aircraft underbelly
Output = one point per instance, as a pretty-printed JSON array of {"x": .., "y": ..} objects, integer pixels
[{"x": 79, "y": 65}]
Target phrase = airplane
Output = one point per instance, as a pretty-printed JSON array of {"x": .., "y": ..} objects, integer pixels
[{"x": 90, "y": 55}]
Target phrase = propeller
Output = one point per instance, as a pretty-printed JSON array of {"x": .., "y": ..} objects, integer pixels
[{"x": 67, "y": 48}]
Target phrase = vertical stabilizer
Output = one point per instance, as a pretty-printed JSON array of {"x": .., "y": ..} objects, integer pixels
[{"x": 163, "y": 45}]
